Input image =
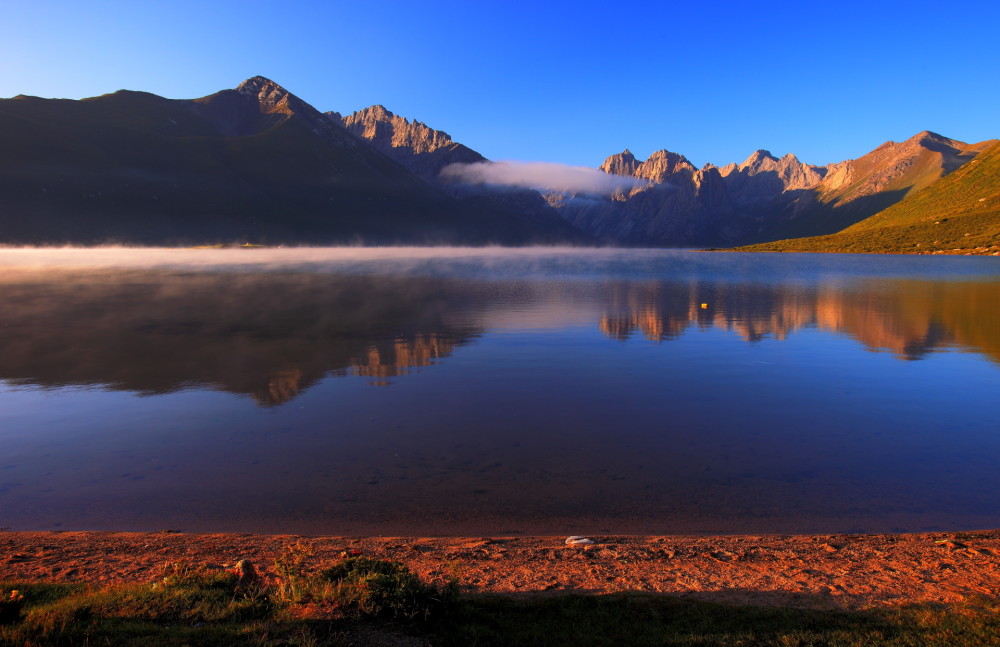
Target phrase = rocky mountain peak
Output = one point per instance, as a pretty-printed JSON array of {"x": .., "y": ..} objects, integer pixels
[
  {"x": 794, "y": 173},
  {"x": 927, "y": 134},
  {"x": 258, "y": 104},
  {"x": 901, "y": 166},
  {"x": 260, "y": 86},
  {"x": 664, "y": 154},
  {"x": 935, "y": 142},
  {"x": 378, "y": 112},
  {"x": 662, "y": 164},
  {"x": 925, "y": 139},
  {"x": 273, "y": 98},
  {"x": 758, "y": 158},
  {"x": 624, "y": 163},
  {"x": 763, "y": 177}
]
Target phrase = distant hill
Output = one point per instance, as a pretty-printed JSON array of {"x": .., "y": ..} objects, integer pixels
[
  {"x": 253, "y": 164},
  {"x": 959, "y": 213}
]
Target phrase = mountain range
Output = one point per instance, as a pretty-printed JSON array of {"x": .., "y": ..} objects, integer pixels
[
  {"x": 258, "y": 164},
  {"x": 252, "y": 164}
]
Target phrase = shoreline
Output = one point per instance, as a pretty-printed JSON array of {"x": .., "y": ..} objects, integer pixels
[{"x": 826, "y": 571}]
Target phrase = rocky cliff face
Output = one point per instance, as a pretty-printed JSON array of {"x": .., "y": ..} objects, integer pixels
[
  {"x": 386, "y": 130},
  {"x": 413, "y": 144},
  {"x": 680, "y": 205},
  {"x": 663, "y": 165},
  {"x": 623, "y": 163},
  {"x": 660, "y": 166},
  {"x": 763, "y": 177}
]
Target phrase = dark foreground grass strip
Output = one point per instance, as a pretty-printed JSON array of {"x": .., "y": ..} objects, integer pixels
[
  {"x": 213, "y": 610},
  {"x": 636, "y": 619}
]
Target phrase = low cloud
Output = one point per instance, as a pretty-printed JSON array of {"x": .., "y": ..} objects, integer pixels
[{"x": 542, "y": 176}]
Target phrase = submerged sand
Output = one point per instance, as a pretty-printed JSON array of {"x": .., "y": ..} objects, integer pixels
[{"x": 814, "y": 571}]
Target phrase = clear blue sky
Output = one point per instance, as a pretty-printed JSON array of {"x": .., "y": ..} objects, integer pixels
[{"x": 567, "y": 82}]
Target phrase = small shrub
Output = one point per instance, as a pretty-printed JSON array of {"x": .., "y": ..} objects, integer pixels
[{"x": 373, "y": 587}]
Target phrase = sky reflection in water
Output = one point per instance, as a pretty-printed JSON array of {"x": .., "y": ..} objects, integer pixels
[{"x": 497, "y": 392}]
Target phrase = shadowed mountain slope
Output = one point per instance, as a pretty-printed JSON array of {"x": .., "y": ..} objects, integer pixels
[
  {"x": 251, "y": 164},
  {"x": 425, "y": 152},
  {"x": 678, "y": 205},
  {"x": 959, "y": 213}
]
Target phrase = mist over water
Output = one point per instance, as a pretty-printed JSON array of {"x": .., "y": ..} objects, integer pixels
[
  {"x": 496, "y": 391},
  {"x": 519, "y": 262}
]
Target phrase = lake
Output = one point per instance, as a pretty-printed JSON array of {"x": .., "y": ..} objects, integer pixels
[{"x": 404, "y": 391}]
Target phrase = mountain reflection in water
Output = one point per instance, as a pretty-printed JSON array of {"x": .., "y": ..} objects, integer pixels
[
  {"x": 268, "y": 335},
  {"x": 543, "y": 392},
  {"x": 907, "y": 317},
  {"x": 273, "y": 335}
]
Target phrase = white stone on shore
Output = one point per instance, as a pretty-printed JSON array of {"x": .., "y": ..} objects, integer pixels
[{"x": 578, "y": 541}]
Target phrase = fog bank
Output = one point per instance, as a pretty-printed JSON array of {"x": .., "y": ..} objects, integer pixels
[{"x": 542, "y": 176}]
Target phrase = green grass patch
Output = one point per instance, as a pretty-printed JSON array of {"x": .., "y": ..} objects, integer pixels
[{"x": 364, "y": 601}]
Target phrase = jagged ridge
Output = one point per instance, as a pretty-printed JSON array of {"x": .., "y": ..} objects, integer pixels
[
  {"x": 413, "y": 144},
  {"x": 764, "y": 197}
]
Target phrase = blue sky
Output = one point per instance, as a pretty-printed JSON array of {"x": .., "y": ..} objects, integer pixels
[{"x": 551, "y": 81}]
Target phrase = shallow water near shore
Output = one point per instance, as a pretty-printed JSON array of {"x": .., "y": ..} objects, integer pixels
[{"x": 469, "y": 392}]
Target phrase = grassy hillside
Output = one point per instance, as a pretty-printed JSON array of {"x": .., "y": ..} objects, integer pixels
[
  {"x": 959, "y": 213},
  {"x": 855, "y": 190}
]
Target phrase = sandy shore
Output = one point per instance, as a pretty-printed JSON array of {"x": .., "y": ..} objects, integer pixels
[{"x": 818, "y": 571}]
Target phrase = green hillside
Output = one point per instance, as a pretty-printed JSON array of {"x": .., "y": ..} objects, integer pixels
[{"x": 958, "y": 214}]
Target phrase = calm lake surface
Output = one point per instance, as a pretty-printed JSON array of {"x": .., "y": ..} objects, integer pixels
[{"x": 459, "y": 391}]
